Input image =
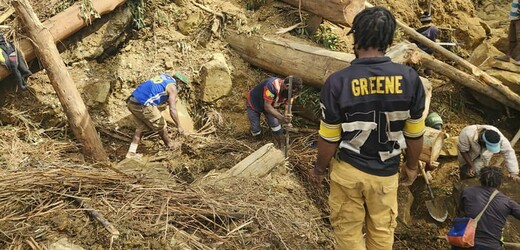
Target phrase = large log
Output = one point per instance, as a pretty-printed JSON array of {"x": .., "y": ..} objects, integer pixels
[
  {"x": 65, "y": 88},
  {"x": 62, "y": 26},
  {"x": 465, "y": 79},
  {"x": 336, "y": 11},
  {"x": 491, "y": 81},
  {"x": 285, "y": 57},
  {"x": 314, "y": 64}
]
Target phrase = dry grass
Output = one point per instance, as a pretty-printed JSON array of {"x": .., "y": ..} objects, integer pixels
[{"x": 38, "y": 183}]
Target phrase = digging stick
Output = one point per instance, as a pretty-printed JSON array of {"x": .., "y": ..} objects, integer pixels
[{"x": 288, "y": 112}]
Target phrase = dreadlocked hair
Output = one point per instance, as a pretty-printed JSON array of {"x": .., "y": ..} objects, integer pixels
[
  {"x": 491, "y": 176},
  {"x": 374, "y": 28}
]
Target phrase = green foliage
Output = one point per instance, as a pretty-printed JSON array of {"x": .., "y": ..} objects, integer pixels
[
  {"x": 137, "y": 8},
  {"x": 325, "y": 36},
  {"x": 309, "y": 97}
]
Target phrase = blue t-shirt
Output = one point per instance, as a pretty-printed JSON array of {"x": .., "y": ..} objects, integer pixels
[{"x": 153, "y": 91}]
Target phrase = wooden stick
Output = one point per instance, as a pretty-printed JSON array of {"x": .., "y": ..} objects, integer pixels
[
  {"x": 70, "y": 99},
  {"x": 6, "y": 14},
  {"x": 99, "y": 217},
  {"x": 515, "y": 138}
]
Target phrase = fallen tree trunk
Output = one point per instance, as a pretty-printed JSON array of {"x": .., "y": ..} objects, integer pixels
[
  {"x": 285, "y": 57},
  {"x": 491, "y": 81},
  {"x": 65, "y": 88},
  {"x": 465, "y": 79},
  {"x": 314, "y": 64},
  {"x": 62, "y": 26},
  {"x": 336, "y": 11}
]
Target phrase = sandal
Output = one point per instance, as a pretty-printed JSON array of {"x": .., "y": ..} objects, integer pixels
[{"x": 504, "y": 58}]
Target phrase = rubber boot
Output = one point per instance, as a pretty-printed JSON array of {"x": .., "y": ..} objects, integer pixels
[{"x": 279, "y": 141}]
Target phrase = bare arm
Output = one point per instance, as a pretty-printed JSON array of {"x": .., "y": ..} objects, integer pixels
[
  {"x": 468, "y": 160},
  {"x": 172, "y": 99},
  {"x": 326, "y": 151},
  {"x": 271, "y": 110},
  {"x": 413, "y": 151}
]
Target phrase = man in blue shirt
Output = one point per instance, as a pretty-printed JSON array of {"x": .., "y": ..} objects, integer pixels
[{"x": 143, "y": 104}]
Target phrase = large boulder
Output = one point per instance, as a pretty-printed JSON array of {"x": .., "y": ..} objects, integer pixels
[
  {"x": 101, "y": 38},
  {"x": 510, "y": 79},
  {"x": 216, "y": 79},
  {"x": 191, "y": 24},
  {"x": 97, "y": 92},
  {"x": 481, "y": 55},
  {"x": 469, "y": 31}
]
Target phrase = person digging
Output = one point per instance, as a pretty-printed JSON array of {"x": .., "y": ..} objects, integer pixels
[
  {"x": 265, "y": 98},
  {"x": 144, "y": 102}
]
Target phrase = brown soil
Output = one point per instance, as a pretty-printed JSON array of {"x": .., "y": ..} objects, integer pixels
[{"x": 41, "y": 164}]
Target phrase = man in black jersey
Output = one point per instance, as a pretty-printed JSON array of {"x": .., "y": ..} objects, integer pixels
[{"x": 371, "y": 111}]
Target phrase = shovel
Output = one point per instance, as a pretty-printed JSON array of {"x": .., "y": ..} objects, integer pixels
[
  {"x": 437, "y": 211},
  {"x": 288, "y": 112}
]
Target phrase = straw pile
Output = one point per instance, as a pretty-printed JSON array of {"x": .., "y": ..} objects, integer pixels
[{"x": 39, "y": 182}]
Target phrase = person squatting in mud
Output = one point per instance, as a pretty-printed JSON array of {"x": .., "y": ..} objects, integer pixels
[
  {"x": 476, "y": 146},
  {"x": 371, "y": 111},
  {"x": 143, "y": 105},
  {"x": 265, "y": 98}
]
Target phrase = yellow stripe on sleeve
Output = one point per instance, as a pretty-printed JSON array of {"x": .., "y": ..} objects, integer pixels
[
  {"x": 330, "y": 132},
  {"x": 414, "y": 128}
]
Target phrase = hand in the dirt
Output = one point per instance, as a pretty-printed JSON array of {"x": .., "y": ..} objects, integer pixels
[
  {"x": 408, "y": 175},
  {"x": 471, "y": 172},
  {"x": 515, "y": 177},
  {"x": 315, "y": 176}
]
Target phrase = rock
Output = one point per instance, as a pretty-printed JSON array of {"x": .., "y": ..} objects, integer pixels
[
  {"x": 404, "y": 201},
  {"x": 187, "y": 27},
  {"x": 97, "y": 92},
  {"x": 175, "y": 36},
  {"x": 449, "y": 148},
  {"x": 101, "y": 38},
  {"x": 184, "y": 116},
  {"x": 483, "y": 55},
  {"x": 64, "y": 244},
  {"x": 216, "y": 79},
  {"x": 506, "y": 66},
  {"x": 168, "y": 64},
  {"x": 469, "y": 32},
  {"x": 510, "y": 79}
]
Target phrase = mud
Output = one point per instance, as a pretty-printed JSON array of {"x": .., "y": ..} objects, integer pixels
[{"x": 178, "y": 36}]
